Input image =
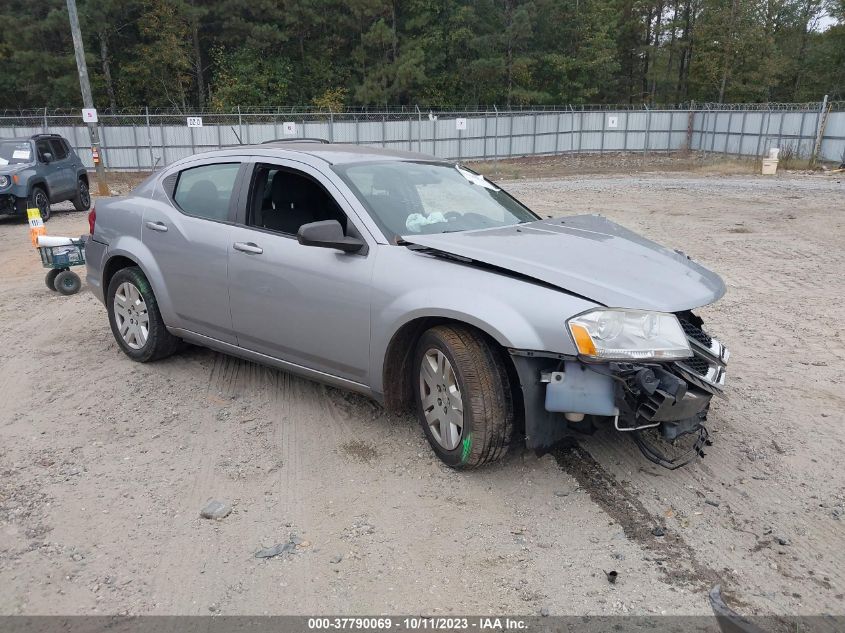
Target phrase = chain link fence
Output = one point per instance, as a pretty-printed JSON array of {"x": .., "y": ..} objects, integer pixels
[{"x": 143, "y": 139}]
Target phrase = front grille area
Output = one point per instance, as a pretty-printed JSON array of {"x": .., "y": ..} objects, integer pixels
[
  {"x": 695, "y": 332},
  {"x": 699, "y": 365}
]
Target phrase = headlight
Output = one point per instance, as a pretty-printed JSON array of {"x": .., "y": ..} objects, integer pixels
[
  {"x": 618, "y": 334},
  {"x": 4, "y": 181}
]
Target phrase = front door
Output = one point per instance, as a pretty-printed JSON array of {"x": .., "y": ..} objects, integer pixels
[
  {"x": 189, "y": 236},
  {"x": 306, "y": 305},
  {"x": 54, "y": 174}
]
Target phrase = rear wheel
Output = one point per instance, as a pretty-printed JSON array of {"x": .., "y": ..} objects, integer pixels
[
  {"x": 463, "y": 396},
  {"x": 82, "y": 200},
  {"x": 135, "y": 318},
  {"x": 39, "y": 200},
  {"x": 50, "y": 279}
]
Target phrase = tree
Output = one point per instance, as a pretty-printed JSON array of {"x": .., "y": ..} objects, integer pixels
[
  {"x": 248, "y": 77},
  {"x": 192, "y": 53}
]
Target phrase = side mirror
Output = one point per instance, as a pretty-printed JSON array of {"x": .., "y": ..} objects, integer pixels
[
  {"x": 328, "y": 234},
  {"x": 47, "y": 156}
]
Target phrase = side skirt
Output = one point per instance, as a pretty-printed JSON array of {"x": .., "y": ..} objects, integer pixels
[{"x": 270, "y": 361}]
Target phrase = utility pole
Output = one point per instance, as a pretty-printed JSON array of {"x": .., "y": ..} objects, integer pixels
[{"x": 87, "y": 100}]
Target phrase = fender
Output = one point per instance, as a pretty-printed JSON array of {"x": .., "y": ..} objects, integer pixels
[
  {"x": 132, "y": 248},
  {"x": 38, "y": 182},
  {"x": 382, "y": 339},
  {"x": 517, "y": 314}
]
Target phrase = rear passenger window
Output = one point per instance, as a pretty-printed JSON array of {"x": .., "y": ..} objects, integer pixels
[{"x": 205, "y": 191}]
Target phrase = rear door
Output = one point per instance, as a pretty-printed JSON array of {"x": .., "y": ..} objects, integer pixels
[
  {"x": 306, "y": 305},
  {"x": 189, "y": 236}
]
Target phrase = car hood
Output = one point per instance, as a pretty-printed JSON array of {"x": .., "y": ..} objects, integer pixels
[
  {"x": 590, "y": 256},
  {"x": 8, "y": 170}
]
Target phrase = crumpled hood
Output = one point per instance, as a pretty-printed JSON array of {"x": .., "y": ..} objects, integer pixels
[{"x": 590, "y": 256}]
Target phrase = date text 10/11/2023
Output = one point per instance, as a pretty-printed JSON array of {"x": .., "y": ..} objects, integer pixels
[{"x": 416, "y": 623}]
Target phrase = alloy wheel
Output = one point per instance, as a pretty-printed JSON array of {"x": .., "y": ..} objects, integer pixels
[
  {"x": 131, "y": 316},
  {"x": 441, "y": 399},
  {"x": 42, "y": 203}
]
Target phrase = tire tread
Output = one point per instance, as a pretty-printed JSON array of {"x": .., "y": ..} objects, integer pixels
[
  {"x": 486, "y": 392},
  {"x": 164, "y": 344}
]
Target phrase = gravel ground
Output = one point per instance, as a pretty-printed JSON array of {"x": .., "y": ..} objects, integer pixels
[{"x": 105, "y": 464}]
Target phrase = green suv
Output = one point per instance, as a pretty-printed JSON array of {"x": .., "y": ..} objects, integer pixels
[{"x": 36, "y": 171}]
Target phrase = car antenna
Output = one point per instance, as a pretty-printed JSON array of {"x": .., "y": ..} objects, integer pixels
[{"x": 240, "y": 142}]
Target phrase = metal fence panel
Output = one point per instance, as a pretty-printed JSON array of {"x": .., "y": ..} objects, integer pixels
[
  {"x": 833, "y": 144},
  {"x": 142, "y": 140}
]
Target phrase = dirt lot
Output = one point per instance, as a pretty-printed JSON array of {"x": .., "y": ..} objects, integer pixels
[{"x": 105, "y": 464}]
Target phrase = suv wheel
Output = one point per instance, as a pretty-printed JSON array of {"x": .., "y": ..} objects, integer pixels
[
  {"x": 40, "y": 201},
  {"x": 82, "y": 200},
  {"x": 135, "y": 318},
  {"x": 463, "y": 396}
]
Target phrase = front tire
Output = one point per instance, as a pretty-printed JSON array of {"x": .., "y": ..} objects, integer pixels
[
  {"x": 135, "y": 319},
  {"x": 68, "y": 282},
  {"x": 82, "y": 200},
  {"x": 463, "y": 396},
  {"x": 39, "y": 199}
]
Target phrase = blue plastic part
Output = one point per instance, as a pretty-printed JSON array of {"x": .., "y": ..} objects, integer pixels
[{"x": 579, "y": 389}]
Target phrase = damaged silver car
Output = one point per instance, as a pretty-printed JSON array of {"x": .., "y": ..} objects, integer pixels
[{"x": 420, "y": 284}]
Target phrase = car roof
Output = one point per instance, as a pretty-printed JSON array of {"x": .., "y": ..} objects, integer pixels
[
  {"x": 332, "y": 153},
  {"x": 31, "y": 137}
]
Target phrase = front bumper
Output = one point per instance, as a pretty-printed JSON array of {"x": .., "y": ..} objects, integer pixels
[
  {"x": 9, "y": 205},
  {"x": 562, "y": 395}
]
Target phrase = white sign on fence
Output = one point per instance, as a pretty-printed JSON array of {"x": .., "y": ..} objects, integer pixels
[
  {"x": 460, "y": 124},
  {"x": 89, "y": 115},
  {"x": 194, "y": 121},
  {"x": 289, "y": 128},
  {"x": 612, "y": 121}
]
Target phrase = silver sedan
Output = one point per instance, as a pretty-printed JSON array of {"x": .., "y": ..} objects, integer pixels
[{"x": 419, "y": 283}]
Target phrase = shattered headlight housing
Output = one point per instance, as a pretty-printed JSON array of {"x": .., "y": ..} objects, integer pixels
[{"x": 619, "y": 334}]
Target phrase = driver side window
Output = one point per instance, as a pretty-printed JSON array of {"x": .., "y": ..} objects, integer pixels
[
  {"x": 282, "y": 200},
  {"x": 43, "y": 147}
]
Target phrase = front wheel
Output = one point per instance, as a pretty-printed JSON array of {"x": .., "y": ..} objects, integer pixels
[
  {"x": 463, "y": 396},
  {"x": 39, "y": 200},
  {"x": 135, "y": 318}
]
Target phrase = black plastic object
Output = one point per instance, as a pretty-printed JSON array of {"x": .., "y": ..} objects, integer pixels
[
  {"x": 328, "y": 234},
  {"x": 653, "y": 454}
]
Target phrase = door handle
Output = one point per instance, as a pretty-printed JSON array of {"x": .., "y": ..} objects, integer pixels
[
  {"x": 157, "y": 226},
  {"x": 248, "y": 247}
]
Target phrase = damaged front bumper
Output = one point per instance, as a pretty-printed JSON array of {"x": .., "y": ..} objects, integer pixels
[
  {"x": 9, "y": 205},
  {"x": 563, "y": 395}
]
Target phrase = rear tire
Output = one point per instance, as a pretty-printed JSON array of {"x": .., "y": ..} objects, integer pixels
[
  {"x": 135, "y": 319},
  {"x": 50, "y": 279},
  {"x": 82, "y": 200},
  {"x": 68, "y": 282},
  {"x": 456, "y": 368}
]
